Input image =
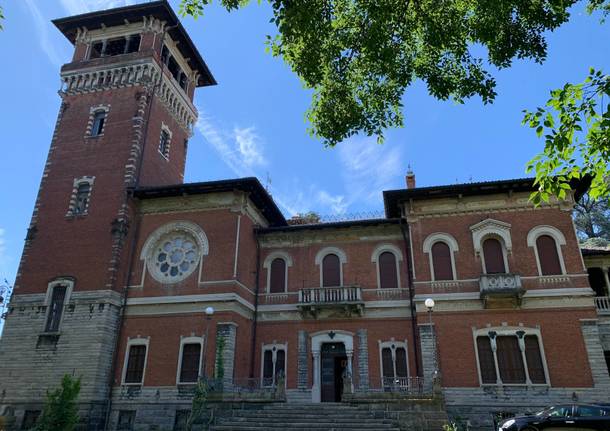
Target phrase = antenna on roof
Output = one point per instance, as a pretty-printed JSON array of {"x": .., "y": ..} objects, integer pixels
[{"x": 268, "y": 183}]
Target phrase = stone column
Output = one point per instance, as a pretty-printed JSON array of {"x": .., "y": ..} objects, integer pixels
[
  {"x": 428, "y": 353},
  {"x": 302, "y": 361},
  {"x": 363, "y": 359},
  {"x": 595, "y": 353},
  {"x": 228, "y": 331},
  {"x": 350, "y": 356},
  {"x": 315, "y": 390}
]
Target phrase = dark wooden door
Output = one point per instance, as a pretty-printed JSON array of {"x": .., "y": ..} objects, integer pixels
[{"x": 332, "y": 361}]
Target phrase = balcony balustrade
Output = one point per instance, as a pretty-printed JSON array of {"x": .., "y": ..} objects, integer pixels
[
  {"x": 497, "y": 289},
  {"x": 602, "y": 304},
  {"x": 344, "y": 299}
]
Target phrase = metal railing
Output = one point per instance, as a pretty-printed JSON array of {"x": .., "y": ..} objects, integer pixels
[
  {"x": 404, "y": 385},
  {"x": 500, "y": 283},
  {"x": 602, "y": 304},
  {"x": 330, "y": 295}
]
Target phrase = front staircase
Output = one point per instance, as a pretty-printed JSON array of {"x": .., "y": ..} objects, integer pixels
[{"x": 304, "y": 417}]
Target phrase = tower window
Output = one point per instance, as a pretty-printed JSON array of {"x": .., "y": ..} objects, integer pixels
[
  {"x": 96, "y": 50},
  {"x": 82, "y": 198},
  {"x": 56, "y": 308},
  {"x": 133, "y": 44},
  {"x": 99, "y": 118},
  {"x": 164, "y": 143},
  {"x": 117, "y": 46}
]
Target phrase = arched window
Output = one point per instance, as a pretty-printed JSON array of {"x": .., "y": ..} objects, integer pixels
[
  {"x": 493, "y": 255},
  {"x": 388, "y": 273},
  {"x": 547, "y": 254},
  {"x": 331, "y": 271},
  {"x": 441, "y": 261},
  {"x": 277, "y": 279}
]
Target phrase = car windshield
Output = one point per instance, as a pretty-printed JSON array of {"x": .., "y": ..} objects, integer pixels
[{"x": 556, "y": 411}]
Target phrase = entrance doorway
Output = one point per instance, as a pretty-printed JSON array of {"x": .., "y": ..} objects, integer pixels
[{"x": 333, "y": 365}]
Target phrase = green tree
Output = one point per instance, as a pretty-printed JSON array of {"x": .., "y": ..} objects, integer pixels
[
  {"x": 592, "y": 221},
  {"x": 1, "y": 17},
  {"x": 359, "y": 56},
  {"x": 60, "y": 412}
]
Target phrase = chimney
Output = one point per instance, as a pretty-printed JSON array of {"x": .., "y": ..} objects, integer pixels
[{"x": 410, "y": 179}]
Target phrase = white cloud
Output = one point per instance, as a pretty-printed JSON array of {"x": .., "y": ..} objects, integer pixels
[
  {"x": 42, "y": 25},
  {"x": 249, "y": 146},
  {"x": 369, "y": 168},
  {"x": 76, "y": 7},
  {"x": 337, "y": 203}
]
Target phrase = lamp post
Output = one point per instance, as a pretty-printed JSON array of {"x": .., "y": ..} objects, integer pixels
[
  {"x": 209, "y": 311},
  {"x": 429, "y": 303}
]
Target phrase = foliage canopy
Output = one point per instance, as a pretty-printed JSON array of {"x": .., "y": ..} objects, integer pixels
[{"x": 60, "y": 412}]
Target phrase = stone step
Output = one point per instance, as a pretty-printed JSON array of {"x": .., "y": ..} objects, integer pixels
[
  {"x": 300, "y": 426},
  {"x": 312, "y": 420},
  {"x": 309, "y": 414}
]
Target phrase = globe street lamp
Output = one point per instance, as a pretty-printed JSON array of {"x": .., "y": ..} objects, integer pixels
[
  {"x": 429, "y": 303},
  {"x": 209, "y": 311}
]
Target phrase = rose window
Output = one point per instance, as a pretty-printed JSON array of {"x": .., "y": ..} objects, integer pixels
[{"x": 175, "y": 257}]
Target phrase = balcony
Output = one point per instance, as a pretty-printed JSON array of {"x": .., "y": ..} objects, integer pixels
[
  {"x": 344, "y": 301},
  {"x": 501, "y": 290},
  {"x": 602, "y": 304}
]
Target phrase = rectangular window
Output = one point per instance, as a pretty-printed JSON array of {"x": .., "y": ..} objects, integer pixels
[
  {"x": 274, "y": 365},
  {"x": 533, "y": 357},
  {"x": 510, "y": 361},
  {"x": 99, "y": 118},
  {"x": 164, "y": 144},
  {"x": 486, "y": 360},
  {"x": 387, "y": 364},
  {"x": 115, "y": 47},
  {"x": 135, "y": 364},
  {"x": 133, "y": 44},
  {"x": 268, "y": 368},
  {"x": 96, "y": 50},
  {"x": 394, "y": 367},
  {"x": 30, "y": 417},
  {"x": 82, "y": 198},
  {"x": 401, "y": 362},
  {"x": 56, "y": 308},
  {"x": 127, "y": 419},
  {"x": 181, "y": 420},
  {"x": 189, "y": 369}
]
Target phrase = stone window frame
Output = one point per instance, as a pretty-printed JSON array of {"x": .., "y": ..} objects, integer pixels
[
  {"x": 451, "y": 242},
  {"x": 68, "y": 282},
  {"x": 393, "y": 345},
  {"x": 92, "y": 112},
  {"x": 378, "y": 251},
  {"x": 511, "y": 331},
  {"x": 274, "y": 347},
  {"x": 75, "y": 185},
  {"x": 165, "y": 129},
  {"x": 342, "y": 261},
  {"x": 267, "y": 265},
  {"x": 189, "y": 340},
  {"x": 491, "y": 228},
  {"x": 110, "y": 35},
  {"x": 148, "y": 250},
  {"x": 554, "y": 233},
  {"x": 137, "y": 341}
]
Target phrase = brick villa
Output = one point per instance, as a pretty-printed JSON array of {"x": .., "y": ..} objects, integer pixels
[{"x": 122, "y": 259}]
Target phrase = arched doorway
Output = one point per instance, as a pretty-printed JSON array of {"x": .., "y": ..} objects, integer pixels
[{"x": 332, "y": 353}]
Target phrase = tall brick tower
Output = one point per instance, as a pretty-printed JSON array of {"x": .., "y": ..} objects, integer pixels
[{"x": 124, "y": 121}]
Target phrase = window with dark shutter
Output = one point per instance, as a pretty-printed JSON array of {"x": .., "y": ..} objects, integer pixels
[
  {"x": 510, "y": 360},
  {"x": 268, "y": 368},
  {"x": 280, "y": 364},
  {"x": 189, "y": 369},
  {"x": 441, "y": 261},
  {"x": 547, "y": 255},
  {"x": 486, "y": 360},
  {"x": 401, "y": 362},
  {"x": 277, "y": 278},
  {"x": 135, "y": 364},
  {"x": 388, "y": 275},
  {"x": 533, "y": 357},
  {"x": 386, "y": 361},
  {"x": 56, "y": 308},
  {"x": 494, "y": 256},
  {"x": 331, "y": 271}
]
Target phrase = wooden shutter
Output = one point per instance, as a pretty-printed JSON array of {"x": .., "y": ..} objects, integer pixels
[
  {"x": 547, "y": 255},
  {"x": 277, "y": 278},
  {"x": 494, "y": 256},
  {"x": 441, "y": 261},
  {"x": 189, "y": 369},
  {"x": 331, "y": 271},
  {"x": 486, "y": 360},
  {"x": 268, "y": 367},
  {"x": 280, "y": 364},
  {"x": 56, "y": 308},
  {"x": 533, "y": 357},
  {"x": 401, "y": 362},
  {"x": 510, "y": 360},
  {"x": 135, "y": 364},
  {"x": 386, "y": 362},
  {"x": 388, "y": 276}
]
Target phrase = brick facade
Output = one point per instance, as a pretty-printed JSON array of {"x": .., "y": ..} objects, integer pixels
[{"x": 113, "y": 259}]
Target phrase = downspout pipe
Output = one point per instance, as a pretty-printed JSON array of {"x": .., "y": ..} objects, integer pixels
[
  {"x": 404, "y": 227},
  {"x": 255, "y": 319}
]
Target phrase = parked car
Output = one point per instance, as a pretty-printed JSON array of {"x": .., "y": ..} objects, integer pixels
[{"x": 568, "y": 417}]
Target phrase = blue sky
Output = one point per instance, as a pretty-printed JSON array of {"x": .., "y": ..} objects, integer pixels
[{"x": 253, "y": 123}]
